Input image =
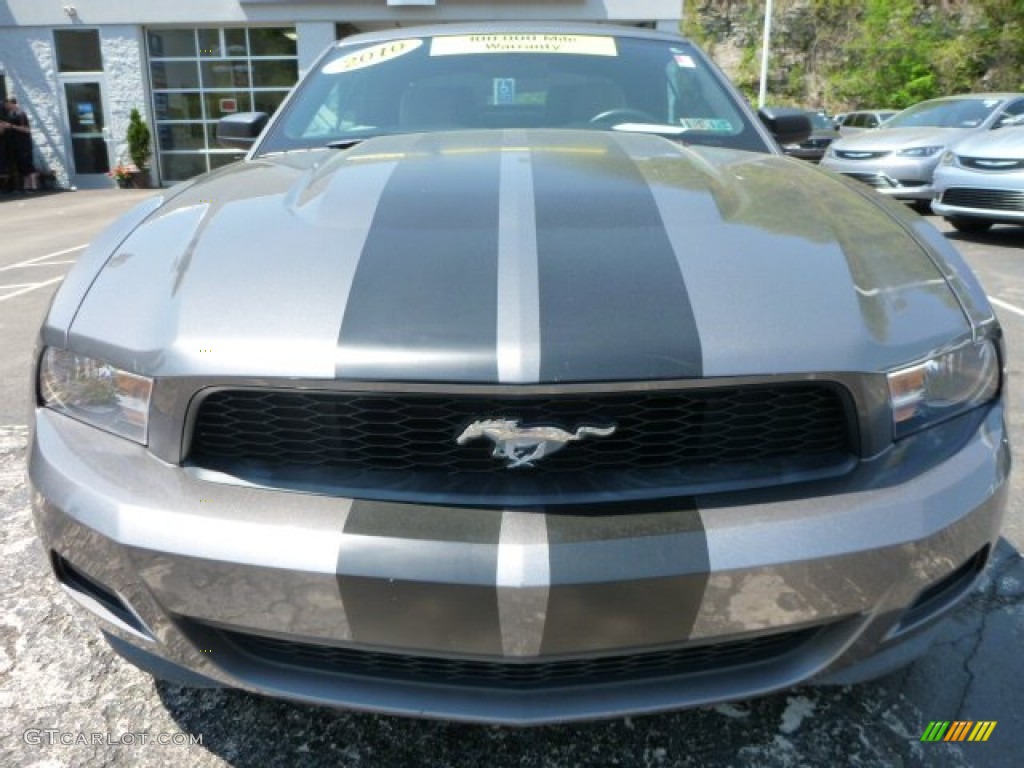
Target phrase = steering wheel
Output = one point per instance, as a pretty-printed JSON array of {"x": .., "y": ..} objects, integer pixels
[{"x": 624, "y": 115}]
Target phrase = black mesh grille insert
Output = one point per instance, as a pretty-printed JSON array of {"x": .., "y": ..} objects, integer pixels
[
  {"x": 860, "y": 155},
  {"x": 357, "y": 432},
  {"x": 992, "y": 164},
  {"x": 986, "y": 199},
  {"x": 518, "y": 674}
]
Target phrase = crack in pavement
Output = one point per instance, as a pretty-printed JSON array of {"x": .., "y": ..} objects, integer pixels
[{"x": 986, "y": 601}]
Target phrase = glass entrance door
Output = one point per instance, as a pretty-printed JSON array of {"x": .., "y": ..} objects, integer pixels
[{"x": 89, "y": 134}]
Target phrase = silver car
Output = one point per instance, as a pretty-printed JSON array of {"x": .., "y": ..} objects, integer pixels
[
  {"x": 899, "y": 158},
  {"x": 516, "y": 376},
  {"x": 981, "y": 181},
  {"x": 863, "y": 120}
]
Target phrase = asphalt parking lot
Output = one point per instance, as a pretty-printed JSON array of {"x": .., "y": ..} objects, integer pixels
[{"x": 66, "y": 700}]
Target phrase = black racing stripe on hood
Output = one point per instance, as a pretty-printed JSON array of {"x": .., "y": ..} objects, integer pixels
[
  {"x": 426, "y": 284},
  {"x": 421, "y": 577},
  {"x": 613, "y": 302},
  {"x": 596, "y": 601}
]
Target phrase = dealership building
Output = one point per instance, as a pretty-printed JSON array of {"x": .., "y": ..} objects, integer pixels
[{"x": 79, "y": 67}]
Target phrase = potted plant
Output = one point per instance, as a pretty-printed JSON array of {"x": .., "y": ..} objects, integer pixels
[
  {"x": 139, "y": 143},
  {"x": 123, "y": 174}
]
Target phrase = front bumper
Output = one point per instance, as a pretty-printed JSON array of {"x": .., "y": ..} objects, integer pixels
[
  {"x": 903, "y": 178},
  {"x": 619, "y": 608},
  {"x": 1001, "y": 203}
]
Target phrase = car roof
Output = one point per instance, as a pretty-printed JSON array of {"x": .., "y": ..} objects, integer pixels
[{"x": 504, "y": 27}]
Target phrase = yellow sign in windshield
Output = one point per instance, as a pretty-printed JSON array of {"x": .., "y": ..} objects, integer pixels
[
  {"x": 368, "y": 57},
  {"x": 586, "y": 45}
]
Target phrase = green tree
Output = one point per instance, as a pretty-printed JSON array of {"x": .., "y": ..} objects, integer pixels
[
  {"x": 138, "y": 140},
  {"x": 844, "y": 54}
]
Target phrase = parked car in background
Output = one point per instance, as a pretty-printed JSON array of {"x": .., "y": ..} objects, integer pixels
[
  {"x": 515, "y": 376},
  {"x": 899, "y": 158},
  {"x": 981, "y": 181},
  {"x": 863, "y": 120},
  {"x": 813, "y": 147}
]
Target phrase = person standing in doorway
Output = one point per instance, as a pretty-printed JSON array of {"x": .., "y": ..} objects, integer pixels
[{"x": 19, "y": 134}]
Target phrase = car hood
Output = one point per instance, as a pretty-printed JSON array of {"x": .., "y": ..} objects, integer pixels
[
  {"x": 1004, "y": 143},
  {"x": 897, "y": 138},
  {"x": 519, "y": 257}
]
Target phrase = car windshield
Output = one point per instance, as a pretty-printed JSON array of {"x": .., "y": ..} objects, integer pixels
[
  {"x": 948, "y": 113},
  {"x": 505, "y": 80}
]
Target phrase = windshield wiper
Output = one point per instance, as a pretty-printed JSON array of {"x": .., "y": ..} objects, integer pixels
[
  {"x": 346, "y": 143},
  {"x": 357, "y": 136}
]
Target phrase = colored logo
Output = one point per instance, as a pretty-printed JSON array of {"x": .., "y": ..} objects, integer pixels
[{"x": 958, "y": 730}]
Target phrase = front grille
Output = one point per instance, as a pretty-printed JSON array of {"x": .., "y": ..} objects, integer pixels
[
  {"x": 849, "y": 154},
  {"x": 517, "y": 674},
  {"x": 353, "y": 436},
  {"x": 992, "y": 165},
  {"x": 986, "y": 199}
]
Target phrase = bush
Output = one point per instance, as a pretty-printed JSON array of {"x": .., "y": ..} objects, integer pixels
[{"x": 138, "y": 139}]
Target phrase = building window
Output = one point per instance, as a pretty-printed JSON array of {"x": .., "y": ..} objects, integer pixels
[
  {"x": 344, "y": 29},
  {"x": 78, "y": 50},
  {"x": 200, "y": 75}
]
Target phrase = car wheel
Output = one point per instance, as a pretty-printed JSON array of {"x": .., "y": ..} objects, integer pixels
[
  {"x": 924, "y": 207},
  {"x": 970, "y": 226}
]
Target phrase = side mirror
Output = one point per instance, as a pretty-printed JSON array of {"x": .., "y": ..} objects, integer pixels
[
  {"x": 240, "y": 131},
  {"x": 1007, "y": 120},
  {"x": 787, "y": 125}
]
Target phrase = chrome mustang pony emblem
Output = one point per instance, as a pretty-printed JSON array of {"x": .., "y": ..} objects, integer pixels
[{"x": 524, "y": 445}]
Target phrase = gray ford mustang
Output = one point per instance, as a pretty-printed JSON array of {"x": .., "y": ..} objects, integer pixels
[{"x": 515, "y": 376}]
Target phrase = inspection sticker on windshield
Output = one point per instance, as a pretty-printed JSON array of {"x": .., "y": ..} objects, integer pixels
[
  {"x": 685, "y": 61},
  {"x": 705, "y": 124},
  {"x": 587, "y": 45},
  {"x": 368, "y": 57}
]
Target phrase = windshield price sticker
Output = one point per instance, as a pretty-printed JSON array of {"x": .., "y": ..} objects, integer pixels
[
  {"x": 368, "y": 57},
  {"x": 587, "y": 45}
]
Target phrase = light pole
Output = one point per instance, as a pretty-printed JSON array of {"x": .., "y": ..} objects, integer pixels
[{"x": 765, "y": 44}]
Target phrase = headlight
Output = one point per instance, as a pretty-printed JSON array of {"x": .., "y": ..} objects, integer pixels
[
  {"x": 919, "y": 151},
  {"x": 96, "y": 393},
  {"x": 943, "y": 387}
]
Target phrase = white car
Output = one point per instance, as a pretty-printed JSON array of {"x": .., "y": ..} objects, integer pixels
[
  {"x": 899, "y": 158},
  {"x": 981, "y": 182}
]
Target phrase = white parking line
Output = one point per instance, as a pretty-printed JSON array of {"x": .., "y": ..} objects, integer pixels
[
  {"x": 31, "y": 287},
  {"x": 37, "y": 259},
  {"x": 1006, "y": 306}
]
